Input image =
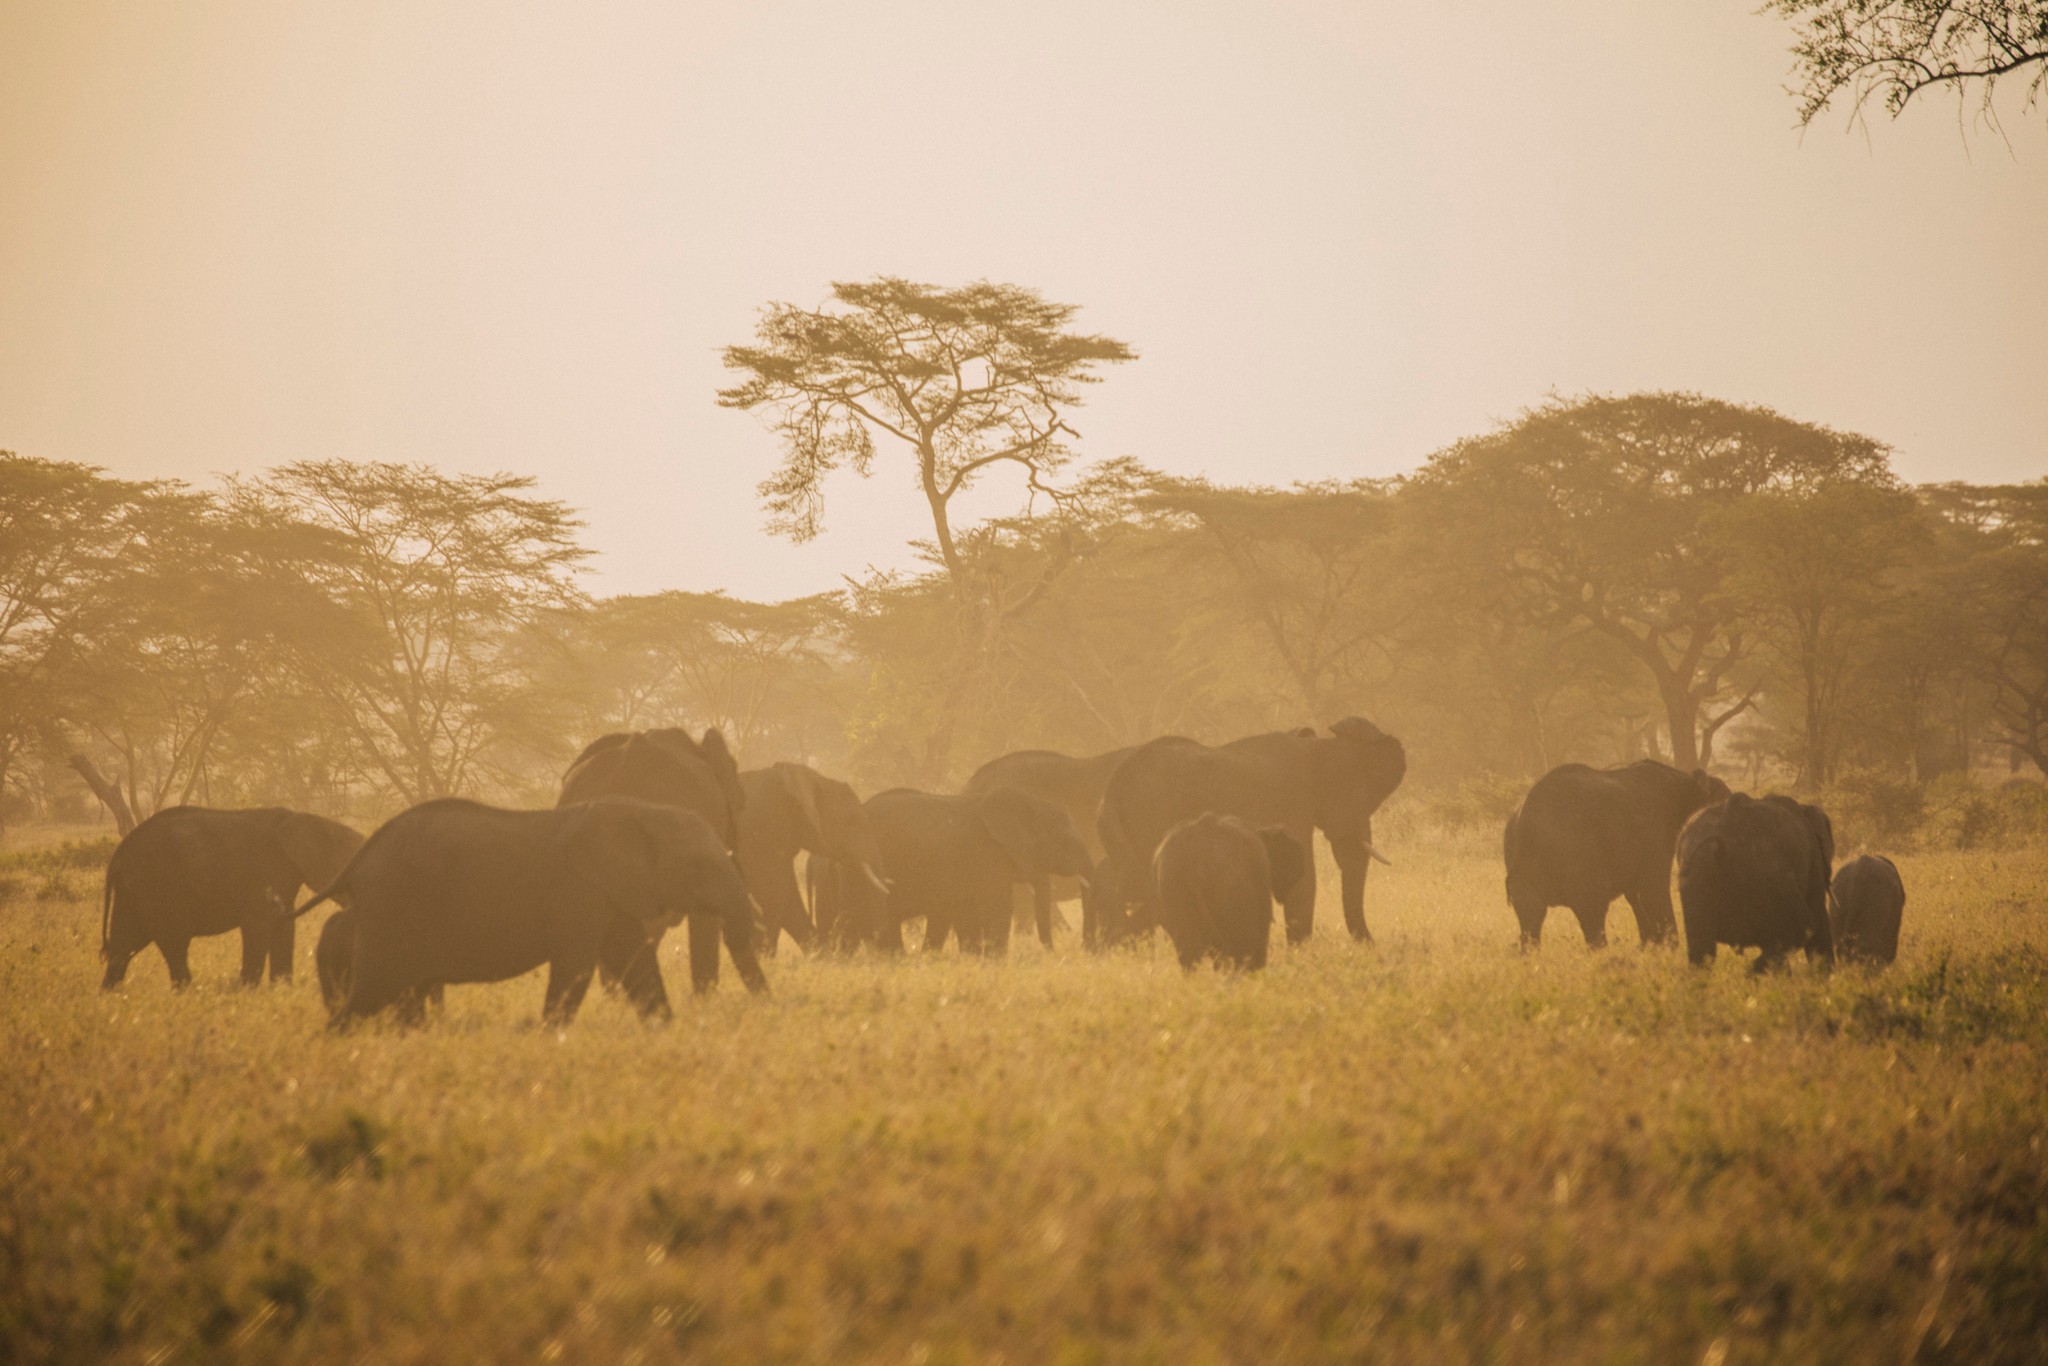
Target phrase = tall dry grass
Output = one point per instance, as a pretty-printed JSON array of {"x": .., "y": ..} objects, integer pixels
[{"x": 1429, "y": 1150}]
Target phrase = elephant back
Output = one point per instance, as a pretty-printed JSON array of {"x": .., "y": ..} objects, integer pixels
[{"x": 663, "y": 766}]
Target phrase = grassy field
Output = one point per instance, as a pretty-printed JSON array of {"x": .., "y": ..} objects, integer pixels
[{"x": 1430, "y": 1150}]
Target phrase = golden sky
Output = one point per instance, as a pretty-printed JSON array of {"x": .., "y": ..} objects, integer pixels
[{"x": 505, "y": 236}]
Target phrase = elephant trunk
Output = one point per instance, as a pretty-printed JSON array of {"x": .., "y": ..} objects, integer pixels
[{"x": 1354, "y": 856}]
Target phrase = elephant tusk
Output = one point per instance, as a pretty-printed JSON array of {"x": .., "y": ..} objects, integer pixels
[
  {"x": 875, "y": 880},
  {"x": 1374, "y": 853}
]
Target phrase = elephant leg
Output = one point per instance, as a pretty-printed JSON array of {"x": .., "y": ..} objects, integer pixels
[
  {"x": 703, "y": 932},
  {"x": 411, "y": 1008},
  {"x": 797, "y": 926},
  {"x": 1299, "y": 906},
  {"x": 995, "y": 923},
  {"x": 1530, "y": 911},
  {"x": 739, "y": 942},
  {"x": 1820, "y": 934},
  {"x": 1593, "y": 920},
  {"x": 284, "y": 942},
  {"x": 568, "y": 980},
  {"x": 255, "y": 949},
  {"x": 639, "y": 978},
  {"x": 1700, "y": 947},
  {"x": 1655, "y": 921},
  {"x": 174, "y": 959},
  {"x": 1041, "y": 906}
]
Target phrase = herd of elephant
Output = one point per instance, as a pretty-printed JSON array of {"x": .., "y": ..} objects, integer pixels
[{"x": 657, "y": 828}]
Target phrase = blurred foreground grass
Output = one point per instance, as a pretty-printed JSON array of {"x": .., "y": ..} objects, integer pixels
[{"x": 1429, "y": 1150}]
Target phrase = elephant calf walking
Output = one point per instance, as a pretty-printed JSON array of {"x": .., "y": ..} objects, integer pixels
[
  {"x": 1217, "y": 879},
  {"x": 189, "y": 871},
  {"x": 455, "y": 891}
]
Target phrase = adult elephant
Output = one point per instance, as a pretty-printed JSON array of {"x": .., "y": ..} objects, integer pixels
[
  {"x": 791, "y": 809},
  {"x": 1297, "y": 780},
  {"x": 1584, "y": 836},
  {"x": 1075, "y": 785},
  {"x": 669, "y": 768},
  {"x": 1754, "y": 873},
  {"x": 952, "y": 861},
  {"x": 189, "y": 871},
  {"x": 456, "y": 891}
]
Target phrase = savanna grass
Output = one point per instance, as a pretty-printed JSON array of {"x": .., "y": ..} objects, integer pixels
[{"x": 1428, "y": 1150}]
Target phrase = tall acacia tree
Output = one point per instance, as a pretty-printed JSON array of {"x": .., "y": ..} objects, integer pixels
[
  {"x": 1596, "y": 511},
  {"x": 964, "y": 381}
]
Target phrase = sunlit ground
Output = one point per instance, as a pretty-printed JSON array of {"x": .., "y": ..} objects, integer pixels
[{"x": 1432, "y": 1149}]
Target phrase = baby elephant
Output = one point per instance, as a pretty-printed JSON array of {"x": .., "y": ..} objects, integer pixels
[
  {"x": 189, "y": 871},
  {"x": 455, "y": 891},
  {"x": 1865, "y": 905},
  {"x": 1753, "y": 873},
  {"x": 1218, "y": 878},
  {"x": 334, "y": 960}
]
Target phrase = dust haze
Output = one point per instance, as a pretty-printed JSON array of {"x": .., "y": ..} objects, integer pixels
[{"x": 1293, "y": 683}]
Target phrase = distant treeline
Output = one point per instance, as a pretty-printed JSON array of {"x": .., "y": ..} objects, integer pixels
[{"x": 1599, "y": 580}]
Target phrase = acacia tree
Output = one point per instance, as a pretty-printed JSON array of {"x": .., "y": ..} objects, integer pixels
[
  {"x": 66, "y": 534},
  {"x": 428, "y": 575},
  {"x": 1310, "y": 567},
  {"x": 1814, "y": 568},
  {"x": 1894, "y": 49},
  {"x": 1594, "y": 511},
  {"x": 961, "y": 380},
  {"x": 192, "y": 630},
  {"x": 757, "y": 671}
]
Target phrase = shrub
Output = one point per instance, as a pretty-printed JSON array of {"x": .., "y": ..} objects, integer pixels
[{"x": 1875, "y": 808}]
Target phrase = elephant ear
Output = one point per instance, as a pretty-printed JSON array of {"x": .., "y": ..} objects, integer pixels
[
  {"x": 799, "y": 785},
  {"x": 1365, "y": 765},
  {"x": 1011, "y": 820},
  {"x": 1286, "y": 860},
  {"x": 728, "y": 773},
  {"x": 318, "y": 849},
  {"x": 600, "y": 745}
]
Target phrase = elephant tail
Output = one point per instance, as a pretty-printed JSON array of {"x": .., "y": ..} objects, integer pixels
[
  {"x": 332, "y": 891},
  {"x": 295, "y": 912}
]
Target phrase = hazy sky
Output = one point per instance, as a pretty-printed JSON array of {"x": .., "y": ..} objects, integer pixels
[{"x": 496, "y": 236}]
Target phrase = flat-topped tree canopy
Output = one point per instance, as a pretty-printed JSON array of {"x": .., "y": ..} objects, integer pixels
[{"x": 964, "y": 379}]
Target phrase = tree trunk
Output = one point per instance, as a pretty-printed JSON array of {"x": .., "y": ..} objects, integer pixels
[
  {"x": 109, "y": 793},
  {"x": 1681, "y": 712}
]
